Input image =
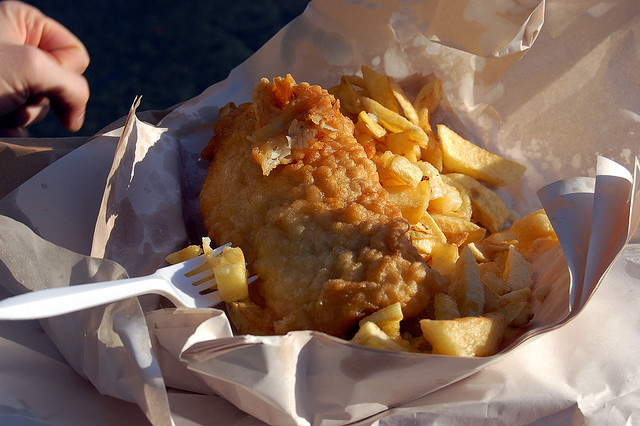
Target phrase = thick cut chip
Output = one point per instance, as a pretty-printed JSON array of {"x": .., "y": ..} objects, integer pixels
[
  {"x": 412, "y": 201},
  {"x": 429, "y": 96},
  {"x": 493, "y": 288},
  {"x": 497, "y": 243},
  {"x": 468, "y": 286},
  {"x": 349, "y": 98},
  {"x": 518, "y": 272},
  {"x": 468, "y": 336},
  {"x": 445, "y": 307},
  {"x": 431, "y": 173},
  {"x": 465, "y": 210},
  {"x": 477, "y": 253},
  {"x": 186, "y": 253},
  {"x": 517, "y": 314},
  {"x": 444, "y": 257},
  {"x": 521, "y": 295},
  {"x": 392, "y": 312},
  {"x": 425, "y": 235},
  {"x": 486, "y": 206},
  {"x": 422, "y": 241},
  {"x": 355, "y": 80},
  {"x": 371, "y": 335},
  {"x": 231, "y": 275},
  {"x": 368, "y": 122},
  {"x": 379, "y": 88},
  {"x": 461, "y": 156},
  {"x": 387, "y": 319},
  {"x": 393, "y": 121},
  {"x": 400, "y": 168},
  {"x": 492, "y": 301},
  {"x": 533, "y": 226},
  {"x": 458, "y": 230},
  {"x": 490, "y": 273},
  {"x": 433, "y": 227},
  {"x": 449, "y": 201},
  {"x": 402, "y": 144},
  {"x": 405, "y": 103}
]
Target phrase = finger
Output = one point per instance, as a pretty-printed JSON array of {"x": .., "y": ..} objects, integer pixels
[
  {"x": 68, "y": 91},
  {"x": 34, "y": 111},
  {"x": 64, "y": 46},
  {"x": 25, "y": 24}
]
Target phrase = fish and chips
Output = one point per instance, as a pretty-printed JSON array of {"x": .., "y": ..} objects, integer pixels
[{"x": 366, "y": 221}]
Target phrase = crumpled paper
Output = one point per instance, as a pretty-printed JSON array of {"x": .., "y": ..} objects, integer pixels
[{"x": 495, "y": 96}]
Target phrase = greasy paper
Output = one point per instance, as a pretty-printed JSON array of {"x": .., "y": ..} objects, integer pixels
[{"x": 521, "y": 80}]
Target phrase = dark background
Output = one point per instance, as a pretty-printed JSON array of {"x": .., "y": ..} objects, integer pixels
[{"x": 166, "y": 51}]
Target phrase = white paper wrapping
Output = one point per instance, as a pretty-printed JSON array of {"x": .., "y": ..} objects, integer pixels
[{"x": 549, "y": 84}]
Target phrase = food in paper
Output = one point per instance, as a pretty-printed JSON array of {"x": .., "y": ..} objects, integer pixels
[
  {"x": 328, "y": 242},
  {"x": 361, "y": 222}
]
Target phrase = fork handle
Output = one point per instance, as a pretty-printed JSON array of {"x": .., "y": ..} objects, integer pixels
[{"x": 51, "y": 302}]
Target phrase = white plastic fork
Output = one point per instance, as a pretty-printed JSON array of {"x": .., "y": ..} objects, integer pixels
[{"x": 182, "y": 283}]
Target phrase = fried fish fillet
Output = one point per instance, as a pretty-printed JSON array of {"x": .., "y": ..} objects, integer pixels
[{"x": 290, "y": 185}]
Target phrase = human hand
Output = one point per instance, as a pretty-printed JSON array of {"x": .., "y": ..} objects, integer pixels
[{"x": 41, "y": 66}]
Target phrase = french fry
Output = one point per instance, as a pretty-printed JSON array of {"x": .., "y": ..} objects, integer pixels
[
  {"x": 521, "y": 295},
  {"x": 379, "y": 88},
  {"x": 401, "y": 169},
  {"x": 433, "y": 227},
  {"x": 186, "y": 253},
  {"x": 371, "y": 335},
  {"x": 349, "y": 98},
  {"x": 387, "y": 319},
  {"x": 392, "y": 312},
  {"x": 492, "y": 300},
  {"x": 518, "y": 272},
  {"x": 468, "y": 286},
  {"x": 458, "y": 230},
  {"x": 497, "y": 243},
  {"x": 444, "y": 257},
  {"x": 394, "y": 121},
  {"x": 426, "y": 103},
  {"x": 432, "y": 153},
  {"x": 490, "y": 277},
  {"x": 449, "y": 201},
  {"x": 231, "y": 275},
  {"x": 355, "y": 80},
  {"x": 517, "y": 314},
  {"x": 423, "y": 239},
  {"x": 477, "y": 253},
  {"x": 487, "y": 206},
  {"x": 405, "y": 103},
  {"x": 369, "y": 123},
  {"x": 467, "y": 336},
  {"x": 429, "y": 96},
  {"x": 445, "y": 307},
  {"x": 462, "y": 156},
  {"x": 533, "y": 226},
  {"x": 412, "y": 201},
  {"x": 465, "y": 210},
  {"x": 402, "y": 144}
]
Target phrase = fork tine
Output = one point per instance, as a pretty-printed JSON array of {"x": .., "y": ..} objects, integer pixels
[
  {"x": 203, "y": 278},
  {"x": 208, "y": 300}
]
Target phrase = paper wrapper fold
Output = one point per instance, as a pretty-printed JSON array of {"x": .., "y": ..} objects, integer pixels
[{"x": 139, "y": 187}]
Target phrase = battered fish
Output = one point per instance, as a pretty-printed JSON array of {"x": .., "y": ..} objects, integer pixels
[{"x": 290, "y": 185}]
